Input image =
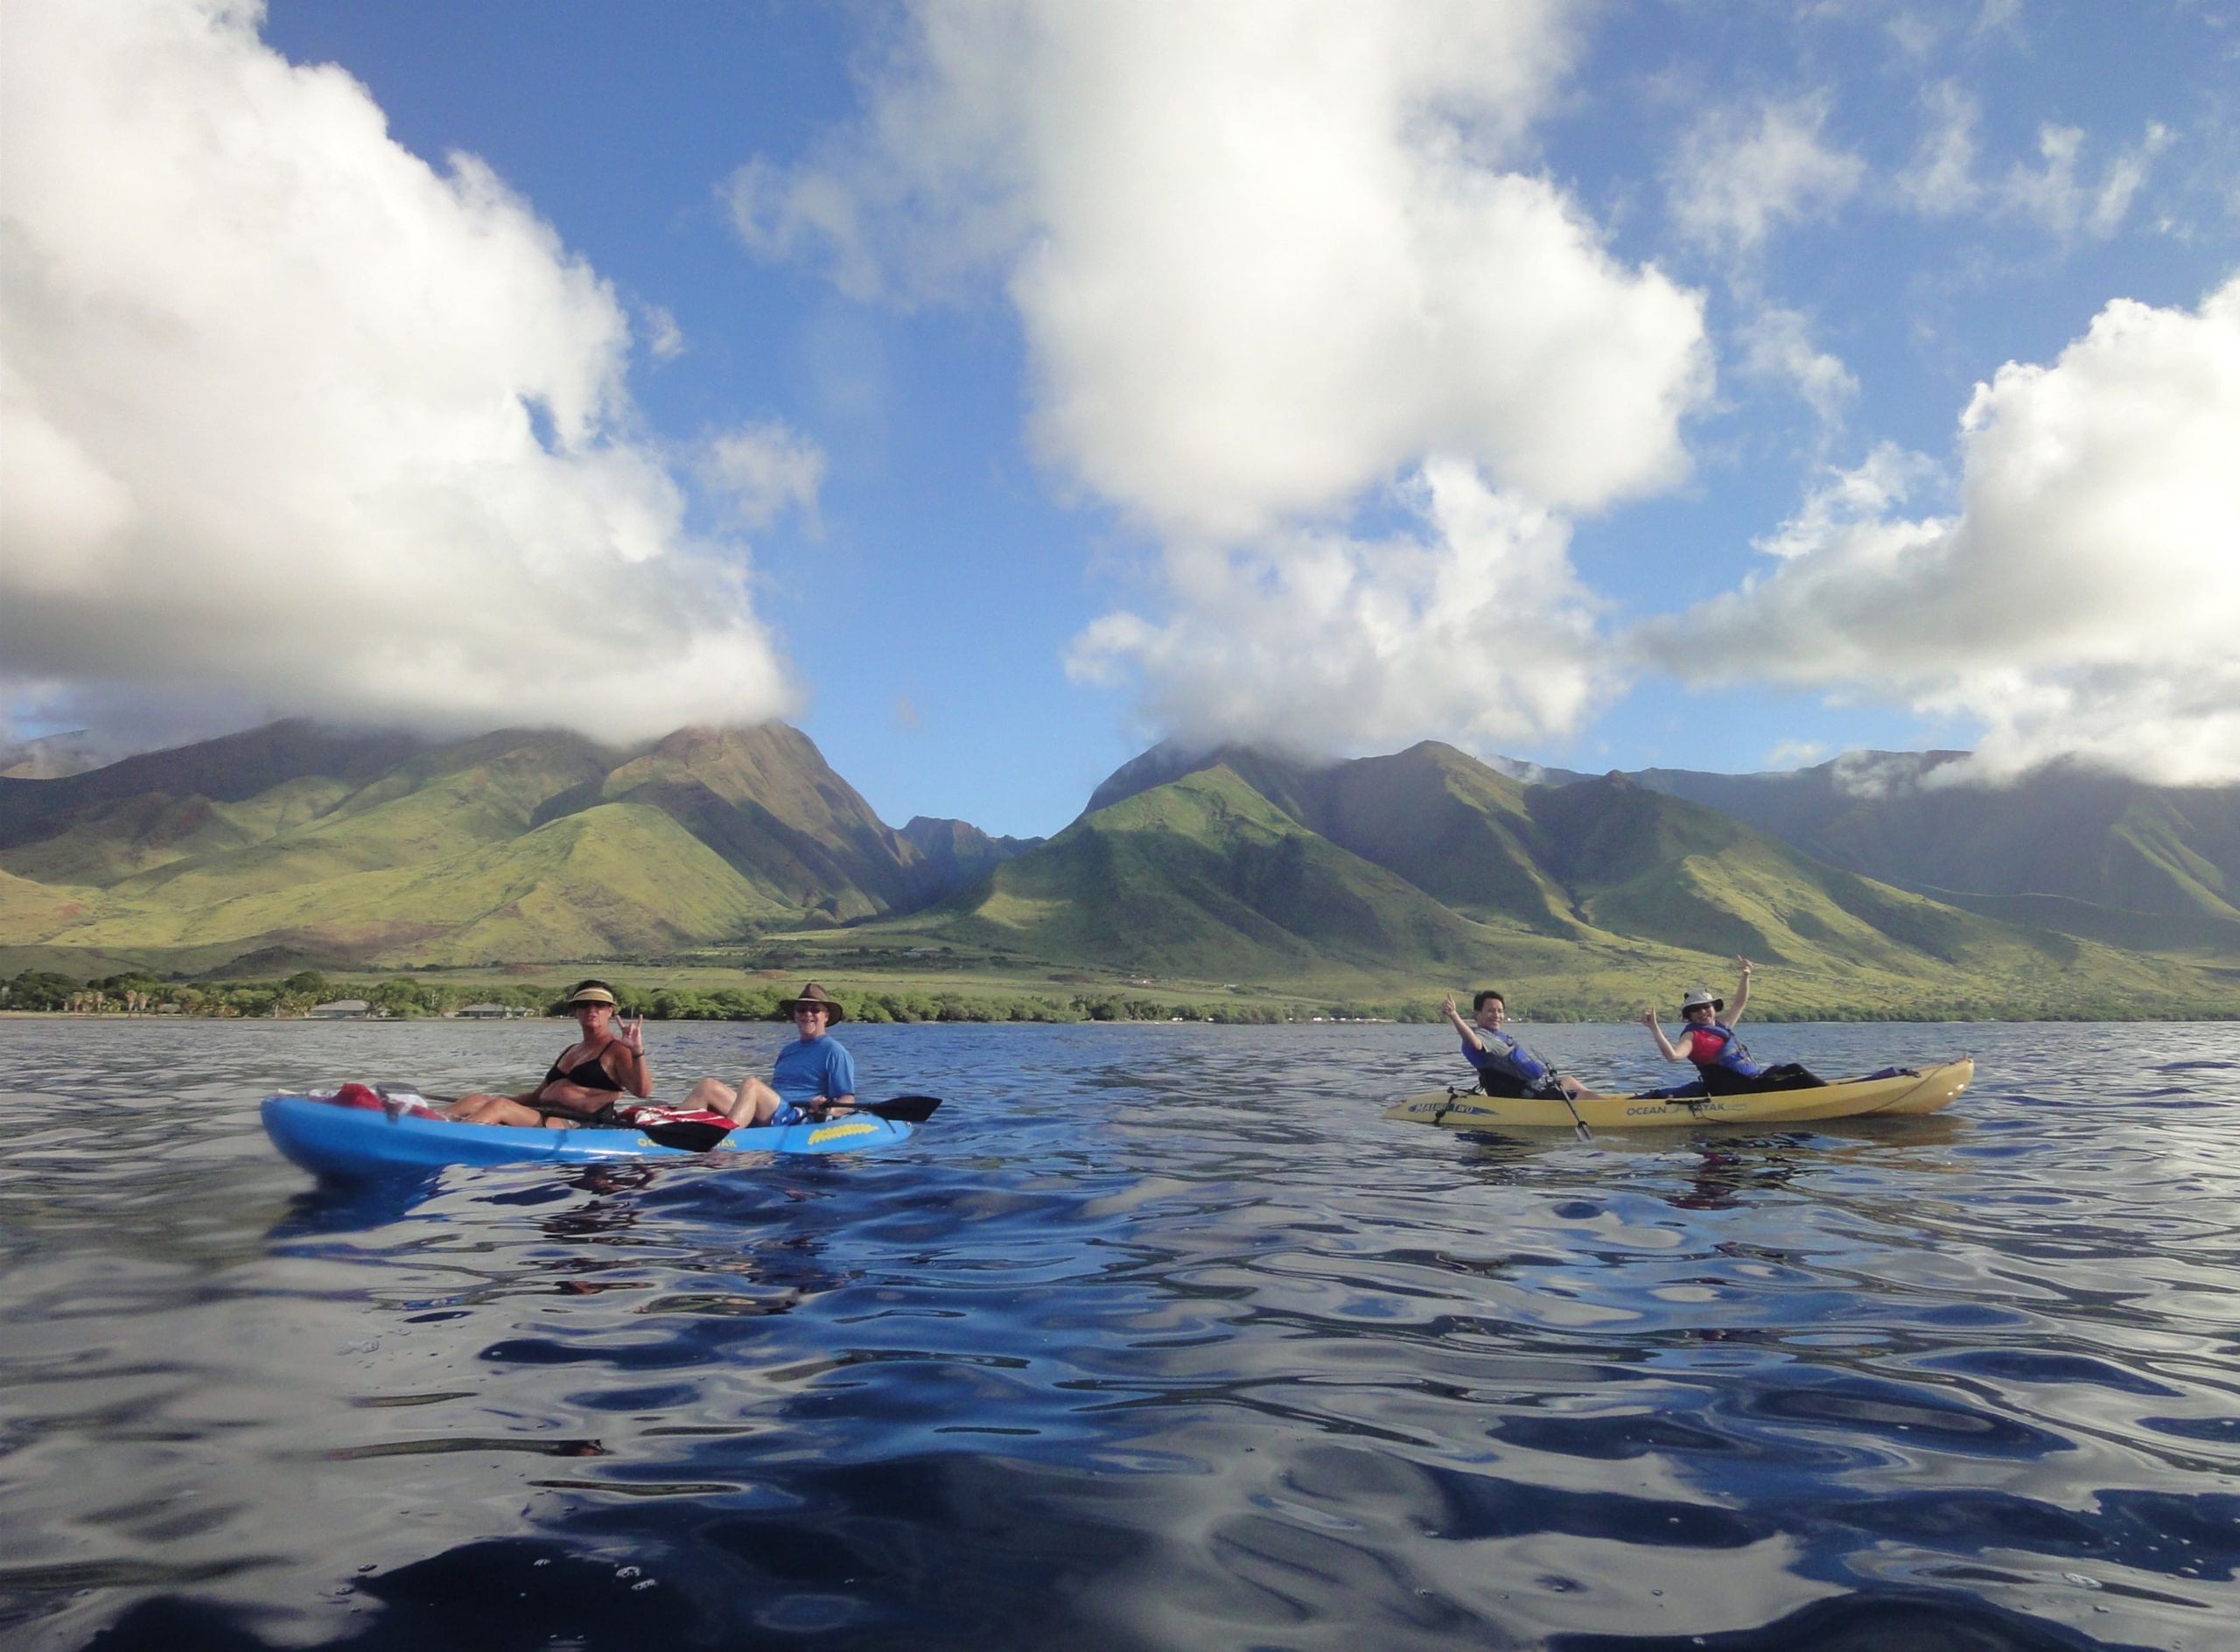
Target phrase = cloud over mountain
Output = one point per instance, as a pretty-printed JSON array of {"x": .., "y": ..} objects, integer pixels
[
  {"x": 2084, "y": 598},
  {"x": 291, "y": 420}
]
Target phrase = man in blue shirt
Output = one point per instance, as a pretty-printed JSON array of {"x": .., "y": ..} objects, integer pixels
[
  {"x": 813, "y": 1075},
  {"x": 1505, "y": 1065}
]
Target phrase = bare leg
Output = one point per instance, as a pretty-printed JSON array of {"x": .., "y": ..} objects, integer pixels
[
  {"x": 713, "y": 1095},
  {"x": 753, "y": 1103},
  {"x": 492, "y": 1110}
]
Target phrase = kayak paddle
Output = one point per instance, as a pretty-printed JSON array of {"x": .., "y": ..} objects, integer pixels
[{"x": 903, "y": 1109}]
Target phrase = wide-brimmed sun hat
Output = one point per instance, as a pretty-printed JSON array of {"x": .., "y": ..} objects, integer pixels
[
  {"x": 813, "y": 995},
  {"x": 590, "y": 995},
  {"x": 1694, "y": 996}
]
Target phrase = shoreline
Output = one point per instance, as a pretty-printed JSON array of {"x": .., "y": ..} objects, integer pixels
[{"x": 114, "y": 1015}]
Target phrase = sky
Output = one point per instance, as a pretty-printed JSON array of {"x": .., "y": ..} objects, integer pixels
[{"x": 992, "y": 389}]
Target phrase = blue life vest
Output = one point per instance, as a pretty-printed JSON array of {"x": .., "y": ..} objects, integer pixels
[
  {"x": 1506, "y": 1068},
  {"x": 1727, "y": 1052}
]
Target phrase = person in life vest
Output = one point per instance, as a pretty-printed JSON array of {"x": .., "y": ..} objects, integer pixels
[
  {"x": 1505, "y": 1065},
  {"x": 1724, "y": 1067}
]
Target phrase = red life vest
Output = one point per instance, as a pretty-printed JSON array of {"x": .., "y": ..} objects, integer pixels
[{"x": 1724, "y": 1050}]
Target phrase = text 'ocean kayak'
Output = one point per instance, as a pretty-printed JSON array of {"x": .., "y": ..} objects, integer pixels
[
  {"x": 354, "y": 1144},
  {"x": 1895, "y": 1095}
]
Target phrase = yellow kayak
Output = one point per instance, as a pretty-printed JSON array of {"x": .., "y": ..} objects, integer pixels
[{"x": 1910, "y": 1091}]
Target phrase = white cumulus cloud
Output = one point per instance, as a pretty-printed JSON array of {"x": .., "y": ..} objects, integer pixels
[
  {"x": 292, "y": 422},
  {"x": 1473, "y": 628},
  {"x": 2083, "y": 597},
  {"x": 1268, "y": 257}
]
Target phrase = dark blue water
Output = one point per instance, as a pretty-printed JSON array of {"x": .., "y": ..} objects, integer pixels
[{"x": 1156, "y": 1337}]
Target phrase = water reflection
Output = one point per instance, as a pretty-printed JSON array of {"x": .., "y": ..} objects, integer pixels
[
  {"x": 1156, "y": 1337},
  {"x": 325, "y": 1209}
]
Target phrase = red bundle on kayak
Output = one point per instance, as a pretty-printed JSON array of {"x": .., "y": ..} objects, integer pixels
[
  {"x": 374, "y": 1099},
  {"x": 641, "y": 1113}
]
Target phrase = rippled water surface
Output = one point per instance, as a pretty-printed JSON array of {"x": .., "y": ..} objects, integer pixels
[{"x": 1155, "y": 1337}]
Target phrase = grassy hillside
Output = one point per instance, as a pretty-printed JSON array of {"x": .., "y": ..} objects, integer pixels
[
  {"x": 2094, "y": 844},
  {"x": 28, "y": 908},
  {"x": 1642, "y": 864},
  {"x": 765, "y": 799},
  {"x": 1202, "y": 877},
  {"x": 622, "y": 878},
  {"x": 229, "y": 770},
  {"x": 1456, "y": 830},
  {"x": 520, "y": 843}
]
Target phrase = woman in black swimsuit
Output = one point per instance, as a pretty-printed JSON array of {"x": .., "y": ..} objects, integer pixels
[{"x": 589, "y": 1077}]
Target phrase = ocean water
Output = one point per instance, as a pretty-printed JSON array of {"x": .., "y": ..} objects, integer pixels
[{"x": 1155, "y": 1337}]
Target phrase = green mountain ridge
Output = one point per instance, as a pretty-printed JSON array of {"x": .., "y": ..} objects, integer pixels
[
  {"x": 353, "y": 850},
  {"x": 2086, "y": 853},
  {"x": 2059, "y": 835},
  {"x": 1203, "y": 877},
  {"x": 1413, "y": 872},
  {"x": 1245, "y": 867},
  {"x": 953, "y": 853}
]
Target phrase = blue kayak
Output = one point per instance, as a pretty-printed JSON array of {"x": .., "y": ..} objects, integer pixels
[{"x": 355, "y": 1143}]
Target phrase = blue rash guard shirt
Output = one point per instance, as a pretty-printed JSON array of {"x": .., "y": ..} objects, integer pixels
[
  {"x": 811, "y": 1068},
  {"x": 1509, "y": 1066}
]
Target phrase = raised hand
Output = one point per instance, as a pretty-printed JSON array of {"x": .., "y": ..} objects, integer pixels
[{"x": 634, "y": 1035}]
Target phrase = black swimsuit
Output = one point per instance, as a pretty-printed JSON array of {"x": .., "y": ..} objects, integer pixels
[{"x": 588, "y": 1074}]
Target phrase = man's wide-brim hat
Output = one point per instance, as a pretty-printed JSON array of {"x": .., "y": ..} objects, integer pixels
[
  {"x": 813, "y": 995},
  {"x": 1694, "y": 996}
]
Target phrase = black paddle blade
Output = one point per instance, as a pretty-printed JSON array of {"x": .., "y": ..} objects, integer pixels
[
  {"x": 904, "y": 1110},
  {"x": 688, "y": 1134}
]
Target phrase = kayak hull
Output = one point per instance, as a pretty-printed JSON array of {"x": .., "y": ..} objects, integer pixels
[
  {"x": 354, "y": 1144},
  {"x": 1924, "y": 1090}
]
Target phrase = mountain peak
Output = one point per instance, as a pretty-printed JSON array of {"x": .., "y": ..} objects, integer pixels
[{"x": 1167, "y": 761}]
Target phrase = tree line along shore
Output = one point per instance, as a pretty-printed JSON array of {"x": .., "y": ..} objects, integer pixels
[{"x": 311, "y": 994}]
